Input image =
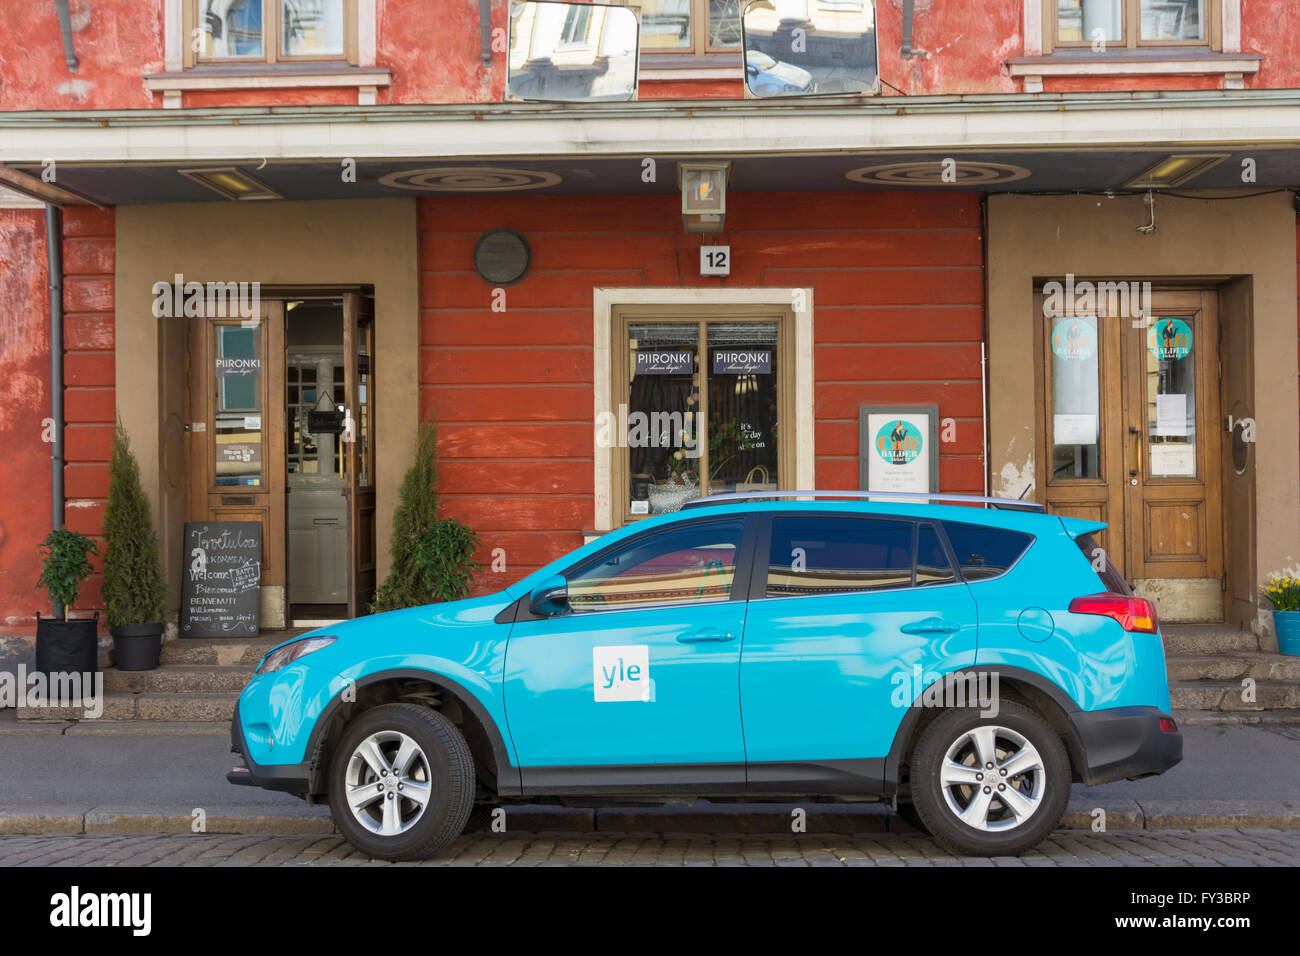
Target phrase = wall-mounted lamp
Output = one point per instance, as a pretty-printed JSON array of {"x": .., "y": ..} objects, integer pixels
[{"x": 704, "y": 195}]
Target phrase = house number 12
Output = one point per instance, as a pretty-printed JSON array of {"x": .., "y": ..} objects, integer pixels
[{"x": 715, "y": 260}]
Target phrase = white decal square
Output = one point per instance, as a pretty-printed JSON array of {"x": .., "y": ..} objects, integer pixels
[{"x": 621, "y": 673}]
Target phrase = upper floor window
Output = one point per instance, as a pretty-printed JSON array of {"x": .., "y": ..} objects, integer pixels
[
  {"x": 689, "y": 26},
  {"x": 271, "y": 31},
  {"x": 1130, "y": 24}
]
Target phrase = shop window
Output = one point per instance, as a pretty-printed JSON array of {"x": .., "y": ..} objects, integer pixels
[
  {"x": 700, "y": 410},
  {"x": 271, "y": 31},
  {"x": 1131, "y": 24}
]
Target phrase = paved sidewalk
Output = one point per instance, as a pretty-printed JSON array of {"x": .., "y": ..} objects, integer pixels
[
  {"x": 1166, "y": 848},
  {"x": 94, "y": 782}
]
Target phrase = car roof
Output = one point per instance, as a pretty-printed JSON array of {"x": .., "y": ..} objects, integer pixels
[{"x": 970, "y": 513}]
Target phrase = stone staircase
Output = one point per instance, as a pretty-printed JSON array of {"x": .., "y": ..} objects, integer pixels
[
  {"x": 194, "y": 688},
  {"x": 1207, "y": 664}
]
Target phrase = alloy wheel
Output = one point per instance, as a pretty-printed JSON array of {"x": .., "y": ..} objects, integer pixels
[
  {"x": 387, "y": 782},
  {"x": 992, "y": 778}
]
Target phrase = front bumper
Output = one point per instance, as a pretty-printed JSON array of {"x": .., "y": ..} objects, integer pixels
[
  {"x": 290, "y": 778},
  {"x": 1124, "y": 743}
]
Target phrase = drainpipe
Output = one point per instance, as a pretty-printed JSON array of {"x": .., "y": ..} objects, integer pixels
[
  {"x": 485, "y": 29},
  {"x": 54, "y": 254},
  {"x": 908, "y": 8},
  {"x": 65, "y": 27},
  {"x": 984, "y": 342}
]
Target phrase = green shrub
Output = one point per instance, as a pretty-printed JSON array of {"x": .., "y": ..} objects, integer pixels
[
  {"x": 134, "y": 589},
  {"x": 432, "y": 557},
  {"x": 65, "y": 565}
]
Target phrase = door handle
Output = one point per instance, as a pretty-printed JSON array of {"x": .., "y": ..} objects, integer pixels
[
  {"x": 931, "y": 625},
  {"x": 700, "y": 637}
]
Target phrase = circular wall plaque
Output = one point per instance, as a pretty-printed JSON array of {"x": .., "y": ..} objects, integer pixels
[{"x": 501, "y": 256}]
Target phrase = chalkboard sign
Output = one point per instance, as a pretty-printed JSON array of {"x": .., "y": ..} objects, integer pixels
[{"x": 220, "y": 596}]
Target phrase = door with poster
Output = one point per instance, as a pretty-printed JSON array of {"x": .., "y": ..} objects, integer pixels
[{"x": 1129, "y": 435}]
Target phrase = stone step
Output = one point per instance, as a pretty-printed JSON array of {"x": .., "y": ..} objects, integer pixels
[
  {"x": 150, "y": 706},
  {"x": 1235, "y": 666},
  {"x": 220, "y": 651},
  {"x": 180, "y": 679},
  {"x": 1187, "y": 718},
  {"x": 1226, "y": 695},
  {"x": 1189, "y": 639}
]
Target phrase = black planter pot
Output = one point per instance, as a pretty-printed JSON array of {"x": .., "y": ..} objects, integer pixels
[
  {"x": 67, "y": 647},
  {"x": 136, "y": 646}
]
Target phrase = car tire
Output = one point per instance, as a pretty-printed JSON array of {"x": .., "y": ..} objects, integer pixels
[
  {"x": 976, "y": 810},
  {"x": 401, "y": 750}
]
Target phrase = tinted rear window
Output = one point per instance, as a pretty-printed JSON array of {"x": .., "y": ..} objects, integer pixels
[
  {"x": 1101, "y": 563},
  {"x": 833, "y": 555},
  {"x": 984, "y": 552}
]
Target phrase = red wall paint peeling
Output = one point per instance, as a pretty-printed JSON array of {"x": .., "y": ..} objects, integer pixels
[
  {"x": 433, "y": 49},
  {"x": 24, "y": 404},
  {"x": 898, "y": 295}
]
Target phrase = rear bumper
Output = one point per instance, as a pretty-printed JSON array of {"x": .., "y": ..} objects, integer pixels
[
  {"x": 1123, "y": 743},
  {"x": 290, "y": 778}
]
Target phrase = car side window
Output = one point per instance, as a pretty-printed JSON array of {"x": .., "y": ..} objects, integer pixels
[
  {"x": 932, "y": 564},
  {"x": 689, "y": 564},
  {"x": 831, "y": 555},
  {"x": 984, "y": 552}
]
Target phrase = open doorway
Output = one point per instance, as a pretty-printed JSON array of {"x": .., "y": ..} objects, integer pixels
[{"x": 329, "y": 458}]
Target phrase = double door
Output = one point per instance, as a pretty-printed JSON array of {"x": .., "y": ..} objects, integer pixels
[{"x": 1129, "y": 434}]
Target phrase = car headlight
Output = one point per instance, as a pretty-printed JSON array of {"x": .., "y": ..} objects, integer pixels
[{"x": 286, "y": 655}]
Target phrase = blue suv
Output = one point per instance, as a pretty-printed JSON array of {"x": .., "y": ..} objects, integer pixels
[{"x": 964, "y": 663}]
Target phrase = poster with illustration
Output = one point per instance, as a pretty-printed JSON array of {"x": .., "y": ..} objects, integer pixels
[{"x": 898, "y": 449}]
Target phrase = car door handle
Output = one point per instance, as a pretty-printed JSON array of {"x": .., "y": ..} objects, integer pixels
[
  {"x": 931, "y": 625},
  {"x": 699, "y": 637}
]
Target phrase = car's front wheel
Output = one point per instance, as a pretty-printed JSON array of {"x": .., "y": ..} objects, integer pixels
[
  {"x": 401, "y": 782},
  {"x": 990, "y": 785}
]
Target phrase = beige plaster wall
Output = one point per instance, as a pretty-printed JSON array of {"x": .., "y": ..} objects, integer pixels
[
  {"x": 276, "y": 243},
  {"x": 1038, "y": 237}
]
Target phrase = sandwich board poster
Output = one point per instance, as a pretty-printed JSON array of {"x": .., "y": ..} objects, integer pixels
[
  {"x": 898, "y": 449},
  {"x": 220, "y": 584}
]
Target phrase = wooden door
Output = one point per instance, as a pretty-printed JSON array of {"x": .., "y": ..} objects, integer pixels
[
  {"x": 1173, "y": 506},
  {"x": 1128, "y": 433},
  {"x": 359, "y": 448},
  {"x": 1237, "y": 350},
  {"x": 235, "y": 432}
]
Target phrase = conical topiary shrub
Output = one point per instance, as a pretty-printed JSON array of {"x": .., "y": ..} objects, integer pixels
[
  {"x": 134, "y": 592},
  {"x": 432, "y": 557}
]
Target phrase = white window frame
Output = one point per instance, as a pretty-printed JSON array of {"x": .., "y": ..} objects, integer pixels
[
  {"x": 176, "y": 78},
  {"x": 798, "y": 301}
]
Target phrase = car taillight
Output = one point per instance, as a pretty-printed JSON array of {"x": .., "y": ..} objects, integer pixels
[{"x": 1133, "y": 613}]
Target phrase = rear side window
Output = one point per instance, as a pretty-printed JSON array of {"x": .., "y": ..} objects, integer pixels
[
  {"x": 932, "y": 565},
  {"x": 831, "y": 555},
  {"x": 1101, "y": 563},
  {"x": 984, "y": 552}
]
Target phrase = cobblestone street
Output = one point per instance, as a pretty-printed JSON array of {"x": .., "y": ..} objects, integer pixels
[{"x": 1140, "y": 848}]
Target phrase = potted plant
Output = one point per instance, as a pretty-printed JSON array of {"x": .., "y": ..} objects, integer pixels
[
  {"x": 1283, "y": 592},
  {"x": 432, "y": 556},
  {"x": 135, "y": 594},
  {"x": 69, "y": 645}
]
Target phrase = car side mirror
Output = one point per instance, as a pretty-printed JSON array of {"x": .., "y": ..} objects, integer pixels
[{"x": 550, "y": 598}]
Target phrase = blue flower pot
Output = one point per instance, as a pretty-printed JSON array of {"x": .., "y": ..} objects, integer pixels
[{"x": 1288, "y": 632}]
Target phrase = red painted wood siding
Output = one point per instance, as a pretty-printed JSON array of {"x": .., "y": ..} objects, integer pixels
[{"x": 898, "y": 297}]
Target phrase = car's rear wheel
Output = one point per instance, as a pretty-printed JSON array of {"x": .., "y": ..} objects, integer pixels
[
  {"x": 401, "y": 782},
  {"x": 990, "y": 786}
]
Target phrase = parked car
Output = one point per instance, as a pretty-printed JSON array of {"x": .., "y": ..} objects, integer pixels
[
  {"x": 842, "y": 630},
  {"x": 770, "y": 77}
]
